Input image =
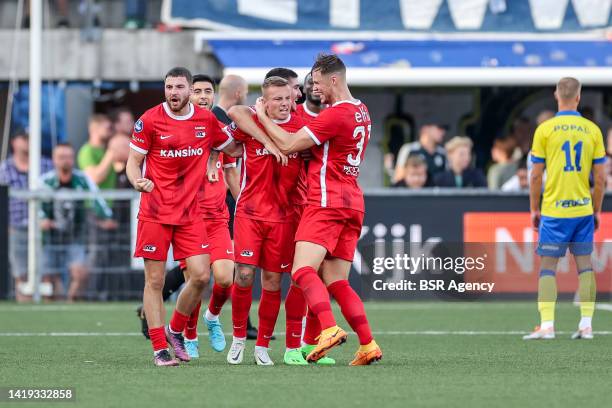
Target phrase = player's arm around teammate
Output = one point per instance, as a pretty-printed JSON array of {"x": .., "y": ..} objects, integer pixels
[
  {"x": 286, "y": 142},
  {"x": 243, "y": 118}
]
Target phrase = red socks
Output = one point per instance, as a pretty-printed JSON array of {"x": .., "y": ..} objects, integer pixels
[
  {"x": 312, "y": 329},
  {"x": 178, "y": 322},
  {"x": 158, "y": 338},
  {"x": 316, "y": 295},
  {"x": 295, "y": 309},
  {"x": 191, "y": 331},
  {"x": 218, "y": 298},
  {"x": 352, "y": 309},
  {"x": 241, "y": 305},
  {"x": 269, "y": 306}
]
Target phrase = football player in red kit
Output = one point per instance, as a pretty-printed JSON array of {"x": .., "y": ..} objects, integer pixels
[
  {"x": 264, "y": 223},
  {"x": 169, "y": 150},
  {"x": 330, "y": 226}
]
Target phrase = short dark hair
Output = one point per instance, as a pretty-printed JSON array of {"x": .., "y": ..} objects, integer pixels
[
  {"x": 203, "y": 78},
  {"x": 284, "y": 73},
  {"x": 115, "y": 113},
  {"x": 180, "y": 72},
  {"x": 20, "y": 134},
  {"x": 415, "y": 160},
  {"x": 63, "y": 144},
  {"x": 328, "y": 63}
]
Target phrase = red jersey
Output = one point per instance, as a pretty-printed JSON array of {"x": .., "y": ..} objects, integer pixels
[
  {"x": 211, "y": 196},
  {"x": 177, "y": 149},
  {"x": 301, "y": 193},
  {"x": 265, "y": 185},
  {"x": 304, "y": 113},
  {"x": 341, "y": 133}
]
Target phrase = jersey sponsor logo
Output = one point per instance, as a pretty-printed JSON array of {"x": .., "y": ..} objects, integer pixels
[
  {"x": 138, "y": 126},
  {"x": 229, "y": 252},
  {"x": 246, "y": 253},
  {"x": 137, "y": 139},
  {"x": 351, "y": 171},
  {"x": 262, "y": 152},
  {"x": 573, "y": 203},
  {"x": 200, "y": 134},
  {"x": 283, "y": 266},
  {"x": 164, "y": 137},
  {"x": 205, "y": 246},
  {"x": 362, "y": 115},
  {"x": 149, "y": 248},
  {"x": 188, "y": 152},
  {"x": 576, "y": 128}
]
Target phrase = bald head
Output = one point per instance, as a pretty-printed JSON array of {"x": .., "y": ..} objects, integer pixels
[
  {"x": 233, "y": 90},
  {"x": 568, "y": 89}
]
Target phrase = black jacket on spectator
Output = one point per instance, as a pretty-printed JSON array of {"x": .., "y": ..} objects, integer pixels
[{"x": 470, "y": 178}]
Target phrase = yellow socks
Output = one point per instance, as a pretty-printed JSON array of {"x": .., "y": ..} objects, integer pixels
[
  {"x": 587, "y": 291},
  {"x": 547, "y": 297}
]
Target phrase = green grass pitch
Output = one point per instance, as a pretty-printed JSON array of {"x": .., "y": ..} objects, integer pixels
[{"x": 436, "y": 354}]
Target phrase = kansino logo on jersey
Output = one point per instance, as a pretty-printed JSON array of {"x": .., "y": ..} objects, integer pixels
[{"x": 188, "y": 152}]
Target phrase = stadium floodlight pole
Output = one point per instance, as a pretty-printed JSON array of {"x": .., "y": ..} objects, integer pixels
[{"x": 36, "y": 10}]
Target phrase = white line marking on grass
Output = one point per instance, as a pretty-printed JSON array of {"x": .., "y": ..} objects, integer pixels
[
  {"x": 603, "y": 306},
  {"x": 282, "y": 334},
  {"x": 391, "y": 306}
]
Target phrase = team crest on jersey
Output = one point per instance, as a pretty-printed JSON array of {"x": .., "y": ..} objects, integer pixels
[
  {"x": 200, "y": 134},
  {"x": 246, "y": 253},
  {"x": 149, "y": 248},
  {"x": 138, "y": 126}
]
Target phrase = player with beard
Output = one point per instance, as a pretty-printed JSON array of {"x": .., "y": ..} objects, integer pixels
[
  {"x": 211, "y": 198},
  {"x": 331, "y": 224},
  {"x": 175, "y": 138},
  {"x": 233, "y": 90}
]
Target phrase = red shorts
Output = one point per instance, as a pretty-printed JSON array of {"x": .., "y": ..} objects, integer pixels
[
  {"x": 268, "y": 245},
  {"x": 336, "y": 229},
  {"x": 153, "y": 240},
  {"x": 221, "y": 246},
  {"x": 298, "y": 211}
]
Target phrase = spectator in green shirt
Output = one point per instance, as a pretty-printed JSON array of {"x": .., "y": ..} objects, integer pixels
[{"x": 94, "y": 158}]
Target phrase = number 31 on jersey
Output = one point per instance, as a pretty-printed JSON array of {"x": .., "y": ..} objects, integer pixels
[{"x": 359, "y": 132}]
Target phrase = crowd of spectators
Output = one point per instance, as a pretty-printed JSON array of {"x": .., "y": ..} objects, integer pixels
[
  {"x": 78, "y": 236},
  {"x": 429, "y": 162},
  {"x": 82, "y": 237}
]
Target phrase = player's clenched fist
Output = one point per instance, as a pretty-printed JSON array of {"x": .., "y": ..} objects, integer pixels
[{"x": 144, "y": 185}]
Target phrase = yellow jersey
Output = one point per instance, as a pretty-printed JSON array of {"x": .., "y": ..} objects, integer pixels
[{"x": 569, "y": 145}]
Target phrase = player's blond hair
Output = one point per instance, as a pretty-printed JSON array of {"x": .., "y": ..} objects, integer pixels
[
  {"x": 458, "y": 141},
  {"x": 274, "y": 81},
  {"x": 568, "y": 88}
]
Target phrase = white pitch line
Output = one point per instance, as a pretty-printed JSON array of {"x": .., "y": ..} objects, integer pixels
[
  {"x": 603, "y": 306},
  {"x": 282, "y": 334},
  {"x": 399, "y": 306}
]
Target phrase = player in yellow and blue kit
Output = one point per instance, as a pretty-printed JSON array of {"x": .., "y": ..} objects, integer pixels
[{"x": 570, "y": 147}]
